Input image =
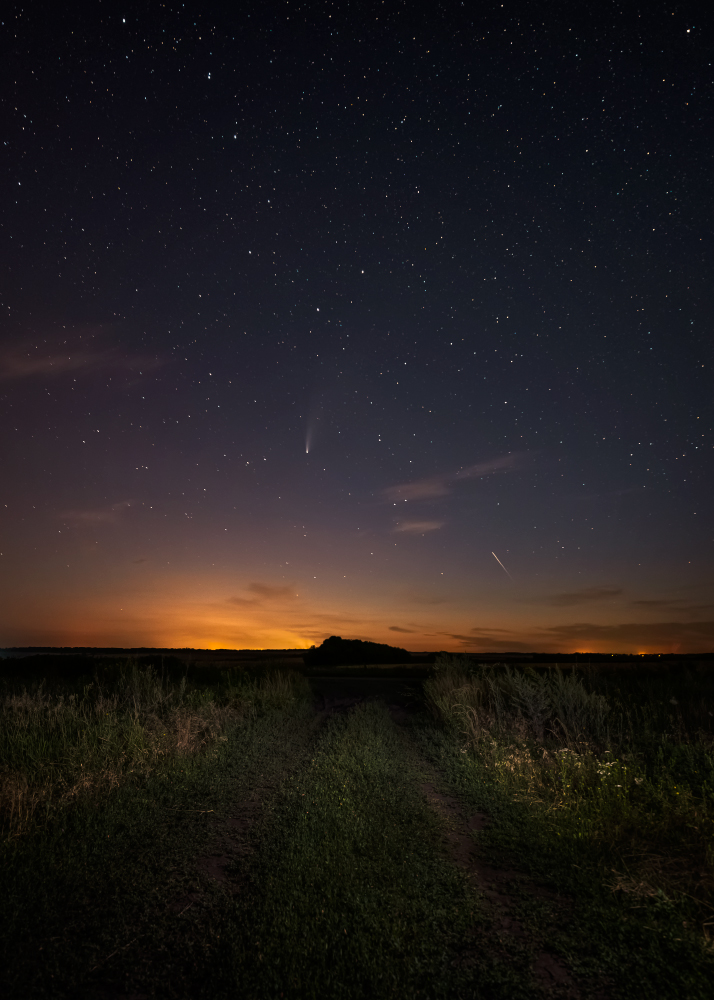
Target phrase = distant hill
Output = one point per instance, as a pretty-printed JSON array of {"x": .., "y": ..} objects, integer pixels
[{"x": 339, "y": 652}]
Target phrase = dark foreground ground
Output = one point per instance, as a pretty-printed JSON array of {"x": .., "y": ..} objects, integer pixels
[
  {"x": 332, "y": 846},
  {"x": 339, "y": 692}
]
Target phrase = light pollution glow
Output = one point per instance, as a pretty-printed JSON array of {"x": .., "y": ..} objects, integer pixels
[{"x": 207, "y": 611}]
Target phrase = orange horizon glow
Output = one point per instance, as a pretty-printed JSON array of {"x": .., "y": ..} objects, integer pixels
[{"x": 201, "y": 612}]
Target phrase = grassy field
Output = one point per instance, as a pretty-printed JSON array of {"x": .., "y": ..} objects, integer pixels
[
  {"x": 222, "y": 832},
  {"x": 601, "y": 785}
]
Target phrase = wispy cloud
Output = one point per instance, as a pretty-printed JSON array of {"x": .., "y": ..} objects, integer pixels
[
  {"x": 506, "y": 463},
  {"x": 670, "y": 636},
  {"x": 78, "y": 355},
  {"x": 97, "y": 515},
  {"x": 587, "y": 595},
  {"x": 442, "y": 485},
  {"x": 396, "y": 628},
  {"x": 264, "y": 593},
  {"x": 661, "y": 636},
  {"x": 419, "y": 527},
  {"x": 674, "y": 605},
  {"x": 422, "y": 489},
  {"x": 488, "y": 632},
  {"x": 494, "y": 640}
]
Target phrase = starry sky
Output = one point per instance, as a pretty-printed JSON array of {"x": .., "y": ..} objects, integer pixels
[{"x": 365, "y": 319}]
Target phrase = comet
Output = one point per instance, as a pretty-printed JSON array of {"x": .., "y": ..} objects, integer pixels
[
  {"x": 311, "y": 431},
  {"x": 502, "y": 566}
]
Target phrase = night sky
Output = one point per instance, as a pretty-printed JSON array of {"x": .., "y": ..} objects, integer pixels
[{"x": 378, "y": 320}]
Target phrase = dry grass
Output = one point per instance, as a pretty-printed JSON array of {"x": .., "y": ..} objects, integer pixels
[
  {"x": 542, "y": 740},
  {"x": 502, "y": 698},
  {"x": 56, "y": 749}
]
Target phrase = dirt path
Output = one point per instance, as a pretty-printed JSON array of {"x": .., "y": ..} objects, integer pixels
[
  {"x": 222, "y": 866},
  {"x": 158, "y": 960},
  {"x": 342, "y": 692},
  {"x": 317, "y": 877},
  {"x": 234, "y": 840},
  {"x": 496, "y": 885},
  {"x": 499, "y": 887}
]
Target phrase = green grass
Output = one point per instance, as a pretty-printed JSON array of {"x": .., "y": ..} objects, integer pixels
[
  {"x": 618, "y": 812},
  {"x": 116, "y": 784},
  {"x": 350, "y": 897},
  {"x": 63, "y": 743},
  {"x": 87, "y": 874},
  {"x": 351, "y": 894}
]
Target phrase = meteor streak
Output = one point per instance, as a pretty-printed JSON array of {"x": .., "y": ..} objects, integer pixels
[{"x": 501, "y": 565}]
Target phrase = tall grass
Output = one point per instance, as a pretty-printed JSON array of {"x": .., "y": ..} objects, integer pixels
[
  {"x": 57, "y": 746},
  {"x": 612, "y": 771},
  {"x": 503, "y": 698}
]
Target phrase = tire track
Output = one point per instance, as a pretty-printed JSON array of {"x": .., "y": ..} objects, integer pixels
[{"x": 497, "y": 886}]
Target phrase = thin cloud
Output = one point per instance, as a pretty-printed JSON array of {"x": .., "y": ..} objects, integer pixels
[
  {"x": 396, "y": 628},
  {"x": 441, "y": 486},
  {"x": 671, "y": 636},
  {"x": 54, "y": 359},
  {"x": 507, "y": 463},
  {"x": 264, "y": 592},
  {"x": 491, "y": 644},
  {"x": 97, "y": 515},
  {"x": 697, "y": 636},
  {"x": 674, "y": 605},
  {"x": 269, "y": 593},
  {"x": 422, "y": 489},
  {"x": 419, "y": 527},
  {"x": 587, "y": 595},
  {"x": 489, "y": 632},
  {"x": 334, "y": 624}
]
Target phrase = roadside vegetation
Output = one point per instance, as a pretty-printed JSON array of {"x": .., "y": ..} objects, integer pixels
[
  {"x": 601, "y": 784},
  {"x": 115, "y": 780},
  {"x": 60, "y": 744},
  {"x": 211, "y": 832}
]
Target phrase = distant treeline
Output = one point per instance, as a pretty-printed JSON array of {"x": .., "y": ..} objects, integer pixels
[
  {"x": 141, "y": 650},
  {"x": 339, "y": 652},
  {"x": 334, "y": 651}
]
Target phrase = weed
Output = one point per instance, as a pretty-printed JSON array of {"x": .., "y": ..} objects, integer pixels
[
  {"x": 505, "y": 698},
  {"x": 58, "y": 747},
  {"x": 594, "y": 787}
]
